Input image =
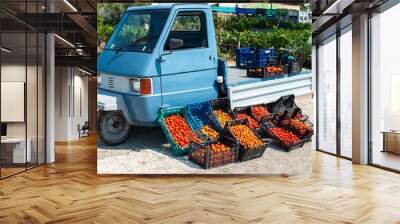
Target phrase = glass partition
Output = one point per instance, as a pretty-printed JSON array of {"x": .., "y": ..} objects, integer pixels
[
  {"x": 14, "y": 153},
  {"x": 385, "y": 89},
  {"x": 346, "y": 92},
  {"x": 22, "y": 101},
  {"x": 327, "y": 96}
]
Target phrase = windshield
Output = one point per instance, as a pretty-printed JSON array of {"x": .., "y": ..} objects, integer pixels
[{"x": 139, "y": 31}]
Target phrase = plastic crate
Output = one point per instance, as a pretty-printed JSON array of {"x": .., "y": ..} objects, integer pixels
[
  {"x": 247, "y": 110},
  {"x": 262, "y": 72},
  {"x": 264, "y": 57},
  {"x": 273, "y": 107},
  {"x": 198, "y": 115},
  {"x": 262, "y": 61},
  {"x": 282, "y": 104},
  {"x": 263, "y": 118},
  {"x": 204, "y": 157},
  {"x": 305, "y": 137},
  {"x": 245, "y": 153},
  {"x": 288, "y": 115},
  {"x": 286, "y": 58},
  {"x": 255, "y": 72},
  {"x": 288, "y": 101},
  {"x": 220, "y": 104},
  {"x": 277, "y": 141},
  {"x": 244, "y": 56},
  {"x": 176, "y": 149},
  {"x": 295, "y": 67}
]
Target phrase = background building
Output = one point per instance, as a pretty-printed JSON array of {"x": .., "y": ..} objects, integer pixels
[
  {"x": 48, "y": 78},
  {"x": 355, "y": 51}
]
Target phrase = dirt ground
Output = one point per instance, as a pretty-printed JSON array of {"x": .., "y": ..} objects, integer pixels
[{"x": 147, "y": 152}]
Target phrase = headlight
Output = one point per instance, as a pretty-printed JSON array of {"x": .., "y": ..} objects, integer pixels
[{"x": 135, "y": 85}]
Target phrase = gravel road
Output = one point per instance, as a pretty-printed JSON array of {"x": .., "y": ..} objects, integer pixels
[{"x": 147, "y": 152}]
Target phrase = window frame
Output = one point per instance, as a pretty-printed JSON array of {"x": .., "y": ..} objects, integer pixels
[
  {"x": 176, "y": 14},
  {"x": 120, "y": 25}
]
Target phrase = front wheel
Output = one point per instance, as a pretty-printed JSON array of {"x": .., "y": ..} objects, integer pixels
[{"x": 114, "y": 129}]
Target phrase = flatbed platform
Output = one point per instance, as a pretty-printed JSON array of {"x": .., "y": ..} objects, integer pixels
[{"x": 238, "y": 76}]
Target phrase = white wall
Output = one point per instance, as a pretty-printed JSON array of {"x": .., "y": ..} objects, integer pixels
[{"x": 70, "y": 109}]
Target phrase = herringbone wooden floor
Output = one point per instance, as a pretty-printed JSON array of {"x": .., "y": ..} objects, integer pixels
[{"x": 69, "y": 191}]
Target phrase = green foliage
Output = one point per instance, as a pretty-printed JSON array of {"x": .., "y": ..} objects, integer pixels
[
  {"x": 258, "y": 32},
  {"x": 187, "y": 23},
  {"x": 231, "y": 31},
  {"x": 108, "y": 16},
  {"x": 247, "y": 22}
]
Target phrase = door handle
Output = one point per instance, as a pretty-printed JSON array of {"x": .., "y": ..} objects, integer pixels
[{"x": 160, "y": 59}]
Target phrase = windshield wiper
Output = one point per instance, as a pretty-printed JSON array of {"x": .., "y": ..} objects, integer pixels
[{"x": 117, "y": 49}]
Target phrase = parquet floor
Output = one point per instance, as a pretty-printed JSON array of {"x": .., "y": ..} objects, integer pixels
[{"x": 69, "y": 191}]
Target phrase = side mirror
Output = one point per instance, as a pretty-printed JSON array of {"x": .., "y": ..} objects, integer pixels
[{"x": 175, "y": 43}]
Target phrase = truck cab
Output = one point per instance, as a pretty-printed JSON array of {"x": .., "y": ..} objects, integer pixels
[{"x": 158, "y": 56}]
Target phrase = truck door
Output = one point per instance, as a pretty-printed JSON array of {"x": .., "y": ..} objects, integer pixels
[{"x": 188, "y": 63}]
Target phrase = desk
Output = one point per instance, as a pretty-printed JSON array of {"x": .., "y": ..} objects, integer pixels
[
  {"x": 391, "y": 141},
  {"x": 13, "y": 150}
]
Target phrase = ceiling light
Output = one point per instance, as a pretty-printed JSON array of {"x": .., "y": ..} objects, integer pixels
[
  {"x": 84, "y": 71},
  {"x": 5, "y": 50},
  {"x": 65, "y": 41},
  {"x": 70, "y": 5}
]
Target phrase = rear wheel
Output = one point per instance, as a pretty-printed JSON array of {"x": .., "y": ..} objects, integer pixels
[{"x": 114, "y": 129}]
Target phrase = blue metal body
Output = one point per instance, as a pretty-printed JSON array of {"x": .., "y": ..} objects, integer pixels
[{"x": 179, "y": 77}]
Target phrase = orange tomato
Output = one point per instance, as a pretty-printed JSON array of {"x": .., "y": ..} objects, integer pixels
[
  {"x": 253, "y": 123},
  {"x": 245, "y": 136},
  {"x": 180, "y": 130},
  {"x": 209, "y": 131},
  {"x": 259, "y": 111},
  {"x": 222, "y": 116}
]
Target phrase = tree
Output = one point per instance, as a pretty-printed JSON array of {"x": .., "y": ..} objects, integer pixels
[{"x": 108, "y": 16}]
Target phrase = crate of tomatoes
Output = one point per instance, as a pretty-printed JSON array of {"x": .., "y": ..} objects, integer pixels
[
  {"x": 245, "y": 113},
  {"x": 251, "y": 145},
  {"x": 221, "y": 113},
  {"x": 178, "y": 131},
  {"x": 197, "y": 115},
  {"x": 219, "y": 152},
  {"x": 282, "y": 137},
  {"x": 267, "y": 72},
  {"x": 275, "y": 71},
  {"x": 261, "y": 113},
  {"x": 298, "y": 124}
]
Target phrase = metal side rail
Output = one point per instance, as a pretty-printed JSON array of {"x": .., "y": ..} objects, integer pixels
[{"x": 270, "y": 90}]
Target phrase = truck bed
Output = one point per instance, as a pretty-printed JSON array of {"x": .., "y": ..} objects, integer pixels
[
  {"x": 243, "y": 90},
  {"x": 238, "y": 76}
]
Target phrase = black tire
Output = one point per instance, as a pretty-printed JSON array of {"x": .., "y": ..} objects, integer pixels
[{"x": 113, "y": 128}]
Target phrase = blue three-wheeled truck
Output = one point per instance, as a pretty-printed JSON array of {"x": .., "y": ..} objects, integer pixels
[
  {"x": 158, "y": 56},
  {"x": 164, "y": 56}
]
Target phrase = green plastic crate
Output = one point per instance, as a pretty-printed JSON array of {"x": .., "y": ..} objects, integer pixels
[{"x": 176, "y": 149}]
